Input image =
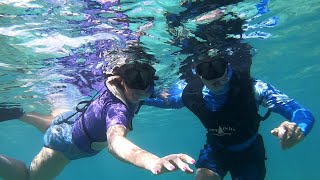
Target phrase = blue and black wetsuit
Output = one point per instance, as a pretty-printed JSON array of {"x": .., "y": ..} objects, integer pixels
[{"x": 232, "y": 122}]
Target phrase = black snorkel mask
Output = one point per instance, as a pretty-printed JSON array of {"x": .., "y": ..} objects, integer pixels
[
  {"x": 137, "y": 75},
  {"x": 212, "y": 69}
]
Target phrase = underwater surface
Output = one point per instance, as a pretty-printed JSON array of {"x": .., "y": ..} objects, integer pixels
[{"x": 50, "y": 49}]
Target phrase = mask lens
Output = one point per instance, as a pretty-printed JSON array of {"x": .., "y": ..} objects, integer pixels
[
  {"x": 137, "y": 79},
  {"x": 211, "y": 70}
]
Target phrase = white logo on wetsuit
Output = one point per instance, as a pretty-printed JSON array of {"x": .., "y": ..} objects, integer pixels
[{"x": 222, "y": 131}]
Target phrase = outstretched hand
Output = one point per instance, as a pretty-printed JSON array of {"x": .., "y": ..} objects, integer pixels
[
  {"x": 173, "y": 162},
  {"x": 289, "y": 134},
  {"x": 211, "y": 16}
]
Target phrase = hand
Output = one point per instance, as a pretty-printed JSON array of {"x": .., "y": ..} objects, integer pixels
[
  {"x": 164, "y": 95},
  {"x": 211, "y": 16},
  {"x": 289, "y": 134},
  {"x": 172, "y": 162}
]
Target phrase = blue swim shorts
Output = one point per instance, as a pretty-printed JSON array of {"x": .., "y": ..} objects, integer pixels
[
  {"x": 59, "y": 136},
  {"x": 247, "y": 164}
]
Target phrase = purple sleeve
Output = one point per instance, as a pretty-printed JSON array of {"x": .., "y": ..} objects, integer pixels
[{"x": 118, "y": 114}]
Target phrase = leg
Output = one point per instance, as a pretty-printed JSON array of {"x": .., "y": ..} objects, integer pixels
[
  {"x": 206, "y": 174},
  {"x": 250, "y": 164},
  {"x": 63, "y": 98},
  {"x": 12, "y": 169},
  {"x": 249, "y": 171},
  {"x": 47, "y": 164},
  {"x": 211, "y": 164},
  {"x": 42, "y": 122},
  {"x": 11, "y": 111}
]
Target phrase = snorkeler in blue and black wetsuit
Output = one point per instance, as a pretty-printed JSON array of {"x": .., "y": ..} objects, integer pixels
[{"x": 226, "y": 101}]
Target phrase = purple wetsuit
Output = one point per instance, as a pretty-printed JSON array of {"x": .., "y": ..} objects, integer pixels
[
  {"x": 73, "y": 135},
  {"x": 105, "y": 111}
]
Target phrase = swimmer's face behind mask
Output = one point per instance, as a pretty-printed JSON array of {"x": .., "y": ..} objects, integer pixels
[
  {"x": 139, "y": 76},
  {"x": 213, "y": 69},
  {"x": 215, "y": 74}
]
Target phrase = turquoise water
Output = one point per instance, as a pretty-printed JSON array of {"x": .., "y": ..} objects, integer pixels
[{"x": 32, "y": 32}]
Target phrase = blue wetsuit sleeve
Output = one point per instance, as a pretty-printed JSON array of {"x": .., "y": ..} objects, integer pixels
[
  {"x": 173, "y": 99},
  {"x": 278, "y": 102}
]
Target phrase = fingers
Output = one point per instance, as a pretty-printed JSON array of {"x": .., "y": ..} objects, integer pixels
[
  {"x": 289, "y": 134},
  {"x": 275, "y": 132},
  {"x": 282, "y": 131},
  {"x": 278, "y": 132},
  {"x": 172, "y": 162},
  {"x": 180, "y": 161},
  {"x": 187, "y": 158},
  {"x": 293, "y": 139},
  {"x": 300, "y": 136},
  {"x": 182, "y": 165},
  {"x": 168, "y": 165},
  {"x": 283, "y": 139},
  {"x": 162, "y": 166}
]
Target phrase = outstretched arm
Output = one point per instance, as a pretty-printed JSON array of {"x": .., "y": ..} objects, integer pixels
[
  {"x": 126, "y": 151},
  {"x": 168, "y": 99},
  {"x": 299, "y": 120}
]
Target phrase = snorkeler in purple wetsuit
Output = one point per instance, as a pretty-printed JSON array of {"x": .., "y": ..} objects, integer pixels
[
  {"x": 226, "y": 102},
  {"x": 103, "y": 122}
]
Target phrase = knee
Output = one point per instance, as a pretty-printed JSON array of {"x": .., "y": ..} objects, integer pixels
[
  {"x": 12, "y": 169},
  {"x": 207, "y": 174},
  {"x": 47, "y": 164},
  {"x": 36, "y": 172}
]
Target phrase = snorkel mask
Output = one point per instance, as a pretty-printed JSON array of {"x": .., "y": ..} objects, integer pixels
[
  {"x": 212, "y": 69},
  {"x": 139, "y": 78},
  {"x": 137, "y": 75}
]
